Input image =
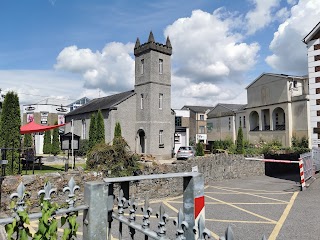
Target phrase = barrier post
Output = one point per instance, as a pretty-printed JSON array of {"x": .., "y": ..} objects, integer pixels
[
  {"x": 302, "y": 179},
  {"x": 193, "y": 202}
]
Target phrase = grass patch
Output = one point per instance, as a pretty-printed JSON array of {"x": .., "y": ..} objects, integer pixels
[{"x": 50, "y": 169}]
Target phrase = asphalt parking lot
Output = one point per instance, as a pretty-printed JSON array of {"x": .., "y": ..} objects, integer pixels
[{"x": 253, "y": 207}]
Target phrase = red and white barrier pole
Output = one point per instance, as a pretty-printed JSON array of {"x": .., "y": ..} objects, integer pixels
[{"x": 302, "y": 180}]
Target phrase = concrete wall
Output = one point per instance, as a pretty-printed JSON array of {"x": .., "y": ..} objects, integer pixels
[{"x": 220, "y": 128}]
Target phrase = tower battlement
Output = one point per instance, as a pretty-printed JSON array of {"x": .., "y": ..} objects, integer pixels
[{"x": 140, "y": 49}]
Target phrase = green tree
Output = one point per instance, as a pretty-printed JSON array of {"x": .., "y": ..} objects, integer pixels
[
  {"x": 92, "y": 131},
  {"x": 117, "y": 133},
  {"x": 100, "y": 136},
  {"x": 240, "y": 142},
  {"x": 47, "y": 142},
  {"x": 10, "y": 130},
  {"x": 27, "y": 142},
  {"x": 199, "y": 149},
  {"x": 55, "y": 149}
]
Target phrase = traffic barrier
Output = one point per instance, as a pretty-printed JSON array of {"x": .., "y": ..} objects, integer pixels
[{"x": 306, "y": 166}]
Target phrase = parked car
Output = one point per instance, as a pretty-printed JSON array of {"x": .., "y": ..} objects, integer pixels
[{"x": 186, "y": 152}]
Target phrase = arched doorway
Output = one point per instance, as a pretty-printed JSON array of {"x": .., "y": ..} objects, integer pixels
[
  {"x": 279, "y": 119},
  {"x": 141, "y": 142},
  {"x": 254, "y": 121}
]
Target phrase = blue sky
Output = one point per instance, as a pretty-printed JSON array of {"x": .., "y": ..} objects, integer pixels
[{"x": 70, "y": 49}]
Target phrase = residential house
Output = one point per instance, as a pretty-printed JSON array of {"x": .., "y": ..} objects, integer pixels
[
  {"x": 224, "y": 120},
  {"x": 312, "y": 40},
  {"x": 198, "y": 122},
  {"x": 74, "y": 105},
  {"x": 145, "y": 114},
  {"x": 181, "y": 135}
]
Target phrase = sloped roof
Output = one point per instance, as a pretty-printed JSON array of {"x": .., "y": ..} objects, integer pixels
[
  {"x": 311, "y": 34},
  {"x": 102, "y": 103},
  {"x": 230, "y": 109},
  {"x": 197, "y": 109},
  {"x": 276, "y": 75}
]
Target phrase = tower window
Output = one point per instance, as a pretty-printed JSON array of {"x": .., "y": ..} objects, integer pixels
[
  {"x": 244, "y": 121},
  {"x": 295, "y": 84},
  {"x": 316, "y": 47},
  {"x": 160, "y": 66},
  {"x": 160, "y": 101},
  {"x": 161, "y": 138},
  {"x": 141, "y": 101},
  {"x": 240, "y": 122},
  {"x": 142, "y": 66}
]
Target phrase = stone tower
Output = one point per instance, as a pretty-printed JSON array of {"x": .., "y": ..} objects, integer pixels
[{"x": 154, "y": 117}]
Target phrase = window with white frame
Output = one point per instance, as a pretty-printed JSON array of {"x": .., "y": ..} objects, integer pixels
[
  {"x": 244, "y": 121},
  {"x": 160, "y": 66},
  {"x": 229, "y": 124},
  {"x": 142, "y": 66},
  {"x": 160, "y": 138},
  {"x": 201, "y": 117},
  {"x": 160, "y": 101},
  {"x": 240, "y": 123},
  {"x": 141, "y": 101}
]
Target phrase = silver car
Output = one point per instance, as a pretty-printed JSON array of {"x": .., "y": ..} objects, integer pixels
[{"x": 186, "y": 152}]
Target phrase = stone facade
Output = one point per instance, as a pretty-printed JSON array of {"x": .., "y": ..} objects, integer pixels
[{"x": 216, "y": 167}]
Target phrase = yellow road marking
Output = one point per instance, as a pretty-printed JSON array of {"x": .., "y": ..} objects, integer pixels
[
  {"x": 251, "y": 194},
  {"x": 249, "y": 189},
  {"x": 214, "y": 235},
  {"x": 264, "y": 193},
  {"x": 171, "y": 207},
  {"x": 284, "y": 216},
  {"x": 167, "y": 199},
  {"x": 237, "y": 221},
  {"x": 244, "y": 210},
  {"x": 238, "y": 203}
]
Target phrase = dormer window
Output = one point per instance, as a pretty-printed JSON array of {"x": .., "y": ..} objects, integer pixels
[{"x": 295, "y": 84}]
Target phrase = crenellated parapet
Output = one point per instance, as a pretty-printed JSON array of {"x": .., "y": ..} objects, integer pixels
[{"x": 152, "y": 45}]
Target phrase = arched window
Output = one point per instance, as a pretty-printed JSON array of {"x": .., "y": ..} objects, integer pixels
[
  {"x": 254, "y": 121},
  {"x": 279, "y": 119}
]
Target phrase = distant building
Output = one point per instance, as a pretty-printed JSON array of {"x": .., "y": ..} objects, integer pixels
[
  {"x": 312, "y": 40},
  {"x": 145, "y": 114},
  {"x": 78, "y": 103},
  {"x": 181, "y": 135},
  {"x": 222, "y": 121},
  {"x": 277, "y": 109},
  {"x": 198, "y": 122}
]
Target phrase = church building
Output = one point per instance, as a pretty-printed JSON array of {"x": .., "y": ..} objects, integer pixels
[{"x": 145, "y": 114}]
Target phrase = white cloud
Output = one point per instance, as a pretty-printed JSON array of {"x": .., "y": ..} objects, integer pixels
[
  {"x": 261, "y": 15},
  {"x": 206, "y": 49},
  {"x": 33, "y": 86},
  {"x": 112, "y": 69},
  {"x": 289, "y": 53},
  {"x": 201, "y": 90}
]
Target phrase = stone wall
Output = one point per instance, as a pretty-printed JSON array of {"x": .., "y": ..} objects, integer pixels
[{"x": 214, "y": 167}]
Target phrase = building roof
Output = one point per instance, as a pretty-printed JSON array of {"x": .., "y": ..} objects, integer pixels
[
  {"x": 311, "y": 34},
  {"x": 276, "y": 75},
  {"x": 230, "y": 109},
  {"x": 79, "y": 101},
  {"x": 102, "y": 103},
  {"x": 197, "y": 109}
]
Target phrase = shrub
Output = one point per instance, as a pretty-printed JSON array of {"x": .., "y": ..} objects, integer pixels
[
  {"x": 55, "y": 148},
  {"x": 27, "y": 141},
  {"x": 113, "y": 160},
  {"x": 47, "y": 142},
  {"x": 100, "y": 135},
  {"x": 199, "y": 149},
  {"x": 83, "y": 147},
  {"x": 240, "y": 144},
  {"x": 92, "y": 131}
]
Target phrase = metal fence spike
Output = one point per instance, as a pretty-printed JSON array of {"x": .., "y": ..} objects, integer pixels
[
  {"x": 72, "y": 187},
  {"x": 147, "y": 211},
  {"x": 133, "y": 208},
  {"x": 182, "y": 226},
  {"x": 203, "y": 233},
  {"x": 47, "y": 191},
  {"x": 228, "y": 234},
  {"x": 121, "y": 201},
  {"x": 264, "y": 237},
  {"x": 21, "y": 194},
  {"x": 163, "y": 219}
]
